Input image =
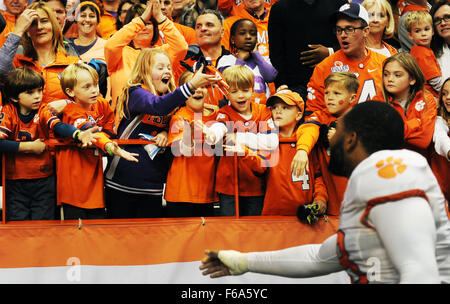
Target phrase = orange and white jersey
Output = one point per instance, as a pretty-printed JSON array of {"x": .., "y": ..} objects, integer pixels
[
  {"x": 27, "y": 165},
  {"x": 368, "y": 71},
  {"x": 387, "y": 176}
]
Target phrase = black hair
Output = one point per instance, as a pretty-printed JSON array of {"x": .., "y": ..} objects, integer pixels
[
  {"x": 92, "y": 8},
  {"x": 437, "y": 42},
  {"x": 138, "y": 9},
  {"x": 233, "y": 31},
  {"x": 377, "y": 124},
  {"x": 22, "y": 80},
  {"x": 119, "y": 11}
]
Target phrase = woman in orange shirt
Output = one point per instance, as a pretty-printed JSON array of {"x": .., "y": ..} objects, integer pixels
[
  {"x": 140, "y": 31},
  {"x": 43, "y": 46}
]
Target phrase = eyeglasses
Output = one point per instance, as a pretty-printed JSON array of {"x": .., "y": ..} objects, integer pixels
[
  {"x": 348, "y": 30},
  {"x": 438, "y": 20}
]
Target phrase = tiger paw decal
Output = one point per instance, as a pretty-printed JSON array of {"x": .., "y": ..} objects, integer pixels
[{"x": 390, "y": 167}]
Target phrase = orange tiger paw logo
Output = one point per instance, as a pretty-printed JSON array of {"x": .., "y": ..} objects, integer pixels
[{"x": 390, "y": 167}]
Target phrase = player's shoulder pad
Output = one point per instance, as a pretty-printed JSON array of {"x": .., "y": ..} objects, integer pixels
[{"x": 390, "y": 172}]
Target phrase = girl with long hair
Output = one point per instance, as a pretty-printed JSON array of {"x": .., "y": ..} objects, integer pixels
[{"x": 143, "y": 111}]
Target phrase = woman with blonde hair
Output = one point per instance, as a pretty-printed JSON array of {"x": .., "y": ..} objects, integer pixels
[
  {"x": 40, "y": 33},
  {"x": 144, "y": 111},
  {"x": 382, "y": 26}
]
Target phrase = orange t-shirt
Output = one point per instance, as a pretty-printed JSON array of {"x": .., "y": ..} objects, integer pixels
[
  {"x": 369, "y": 73},
  {"x": 191, "y": 178},
  {"x": 419, "y": 120},
  {"x": 428, "y": 64},
  {"x": 51, "y": 73},
  {"x": 250, "y": 182},
  {"x": 27, "y": 165},
  {"x": 285, "y": 192},
  {"x": 80, "y": 171}
]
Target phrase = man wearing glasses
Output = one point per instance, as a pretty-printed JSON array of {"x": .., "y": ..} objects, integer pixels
[{"x": 351, "y": 30}]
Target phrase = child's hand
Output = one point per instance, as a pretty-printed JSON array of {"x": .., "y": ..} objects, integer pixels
[
  {"x": 88, "y": 137},
  {"x": 243, "y": 55},
  {"x": 330, "y": 133},
  {"x": 57, "y": 106},
  {"x": 322, "y": 206},
  {"x": 161, "y": 139},
  {"x": 299, "y": 164},
  {"x": 230, "y": 138},
  {"x": 36, "y": 147},
  {"x": 210, "y": 137},
  {"x": 24, "y": 21},
  {"x": 238, "y": 149},
  {"x": 116, "y": 150},
  {"x": 201, "y": 79},
  {"x": 188, "y": 131}
]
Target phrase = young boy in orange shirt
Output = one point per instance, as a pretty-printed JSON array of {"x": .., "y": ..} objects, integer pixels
[
  {"x": 190, "y": 181},
  {"x": 246, "y": 123},
  {"x": 340, "y": 94},
  {"x": 420, "y": 30},
  {"x": 80, "y": 171},
  {"x": 284, "y": 191},
  {"x": 24, "y": 124}
]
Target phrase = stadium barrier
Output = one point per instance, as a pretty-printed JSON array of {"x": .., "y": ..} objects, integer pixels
[{"x": 158, "y": 251}]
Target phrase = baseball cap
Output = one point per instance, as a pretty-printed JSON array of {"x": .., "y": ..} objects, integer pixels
[
  {"x": 352, "y": 10},
  {"x": 288, "y": 97}
]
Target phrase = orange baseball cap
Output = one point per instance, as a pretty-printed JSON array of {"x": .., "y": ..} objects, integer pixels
[{"x": 288, "y": 97}]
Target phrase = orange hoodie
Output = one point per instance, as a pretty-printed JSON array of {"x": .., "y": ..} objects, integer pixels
[
  {"x": 52, "y": 88},
  {"x": 120, "y": 57},
  {"x": 419, "y": 120}
]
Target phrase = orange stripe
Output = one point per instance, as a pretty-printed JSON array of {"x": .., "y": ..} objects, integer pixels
[
  {"x": 390, "y": 198},
  {"x": 346, "y": 263},
  {"x": 149, "y": 241}
]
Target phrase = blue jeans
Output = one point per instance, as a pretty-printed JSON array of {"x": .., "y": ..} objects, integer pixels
[{"x": 248, "y": 205}]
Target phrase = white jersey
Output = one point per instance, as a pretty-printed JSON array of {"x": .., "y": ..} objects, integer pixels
[{"x": 387, "y": 176}]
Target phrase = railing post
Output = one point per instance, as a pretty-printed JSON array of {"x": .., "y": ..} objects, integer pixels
[
  {"x": 3, "y": 188},
  {"x": 236, "y": 185}
]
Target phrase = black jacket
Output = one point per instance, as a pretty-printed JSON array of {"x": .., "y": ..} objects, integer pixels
[{"x": 293, "y": 24}]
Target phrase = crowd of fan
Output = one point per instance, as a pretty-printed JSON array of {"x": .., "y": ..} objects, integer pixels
[{"x": 223, "y": 99}]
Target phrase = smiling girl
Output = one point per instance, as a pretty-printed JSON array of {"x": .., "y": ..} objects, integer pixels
[
  {"x": 140, "y": 31},
  {"x": 149, "y": 97},
  {"x": 403, "y": 83}
]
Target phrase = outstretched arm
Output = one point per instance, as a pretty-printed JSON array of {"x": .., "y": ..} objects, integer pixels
[{"x": 296, "y": 262}]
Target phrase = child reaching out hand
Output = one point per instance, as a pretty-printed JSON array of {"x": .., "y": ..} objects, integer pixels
[
  {"x": 24, "y": 125},
  {"x": 146, "y": 106},
  {"x": 80, "y": 171}
]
